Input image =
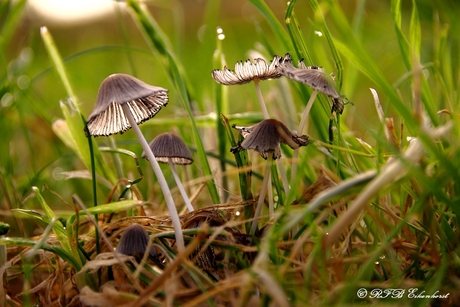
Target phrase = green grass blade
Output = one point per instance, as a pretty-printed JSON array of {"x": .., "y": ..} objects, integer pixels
[
  {"x": 63, "y": 254},
  {"x": 221, "y": 107},
  {"x": 415, "y": 30},
  {"x": 325, "y": 30},
  {"x": 242, "y": 162},
  {"x": 72, "y": 113},
  {"x": 295, "y": 34},
  {"x": 410, "y": 51},
  {"x": 58, "y": 64},
  {"x": 276, "y": 26},
  {"x": 12, "y": 10},
  {"x": 58, "y": 229}
]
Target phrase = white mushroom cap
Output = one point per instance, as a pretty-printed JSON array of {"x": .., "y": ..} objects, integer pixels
[
  {"x": 247, "y": 71},
  {"x": 143, "y": 100},
  {"x": 267, "y": 135}
]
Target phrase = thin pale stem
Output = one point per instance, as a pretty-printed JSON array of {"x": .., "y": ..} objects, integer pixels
[
  {"x": 261, "y": 99},
  {"x": 160, "y": 177},
  {"x": 306, "y": 112},
  {"x": 283, "y": 175},
  {"x": 263, "y": 191},
  {"x": 271, "y": 206},
  {"x": 180, "y": 186},
  {"x": 302, "y": 124}
]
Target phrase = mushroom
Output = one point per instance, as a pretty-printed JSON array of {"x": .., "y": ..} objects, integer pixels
[
  {"x": 255, "y": 71},
  {"x": 171, "y": 149},
  {"x": 251, "y": 71},
  {"x": 265, "y": 138},
  {"x": 123, "y": 102},
  {"x": 134, "y": 242}
]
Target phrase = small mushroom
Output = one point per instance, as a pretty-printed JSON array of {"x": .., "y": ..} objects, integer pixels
[
  {"x": 265, "y": 137},
  {"x": 248, "y": 71},
  {"x": 171, "y": 149},
  {"x": 134, "y": 242},
  {"x": 122, "y": 103}
]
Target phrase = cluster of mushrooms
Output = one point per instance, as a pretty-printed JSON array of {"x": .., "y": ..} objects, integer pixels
[{"x": 124, "y": 102}]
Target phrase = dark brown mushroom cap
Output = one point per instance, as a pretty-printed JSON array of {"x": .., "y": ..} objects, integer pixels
[
  {"x": 144, "y": 101},
  {"x": 134, "y": 241},
  {"x": 168, "y": 145},
  {"x": 267, "y": 135},
  {"x": 312, "y": 76},
  {"x": 247, "y": 71}
]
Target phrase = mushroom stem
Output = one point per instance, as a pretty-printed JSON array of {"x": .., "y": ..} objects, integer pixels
[
  {"x": 180, "y": 186},
  {"x": 263, "y": 191},
  {"x": 306, "y": 112},
  {"x": 160, "y": 177},
  {"x": 302, "y": 124},
  {"x": 261, "y": 99},
  {"x": 271, "y": 206}
]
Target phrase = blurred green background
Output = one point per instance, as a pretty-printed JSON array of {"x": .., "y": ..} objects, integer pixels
[{"x": 97, "y": 45}]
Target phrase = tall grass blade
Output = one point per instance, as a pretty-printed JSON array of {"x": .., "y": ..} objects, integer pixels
[{"x": 276, "y": 26}]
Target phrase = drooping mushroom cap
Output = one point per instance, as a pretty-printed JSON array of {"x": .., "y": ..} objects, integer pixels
[
  {"x": 168, "y": 145},
  {"x": 247, "y": 71},
  {"x": 144, "y": 102},
  {"x": 312, "y": 76},
  {"x": 134, "y": 241},
  {"x": 266, "y": 137}
]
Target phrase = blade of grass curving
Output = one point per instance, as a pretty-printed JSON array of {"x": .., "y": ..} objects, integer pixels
[
  {"x": 113, "y": 207},
  {"x": 58, "y": 228},
  {"x": 294, "y": 32},
  {"x": 12, "y": 11},
  {"x": 319, "y": 16},
  {"x": 72, "y": 113},
  {"x": 160, "y": 43},
  {"x": 359, "y": 57},
  {"x": 93, "y": 181},
  {"x": 63, "y": 254},
  {"x": 276, "y": 26},
  {"x": 56, "y": 60},
  {"x": 320, "y": 20},
  {"x": 415, "y": 30},
  {"x": 221, "y": 107},
  {"x": 411, "y": 49}
]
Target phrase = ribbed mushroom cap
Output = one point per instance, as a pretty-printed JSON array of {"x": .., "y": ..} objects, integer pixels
[
  {"x": 247, "y": 71},
  {"x": 312, "y": 76},
  {"x": 144, "y": 102},
  {"x": 267, "y": 135},
  {"x": 168, "y": 145},
  {"x": 134, "y": 241}
]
